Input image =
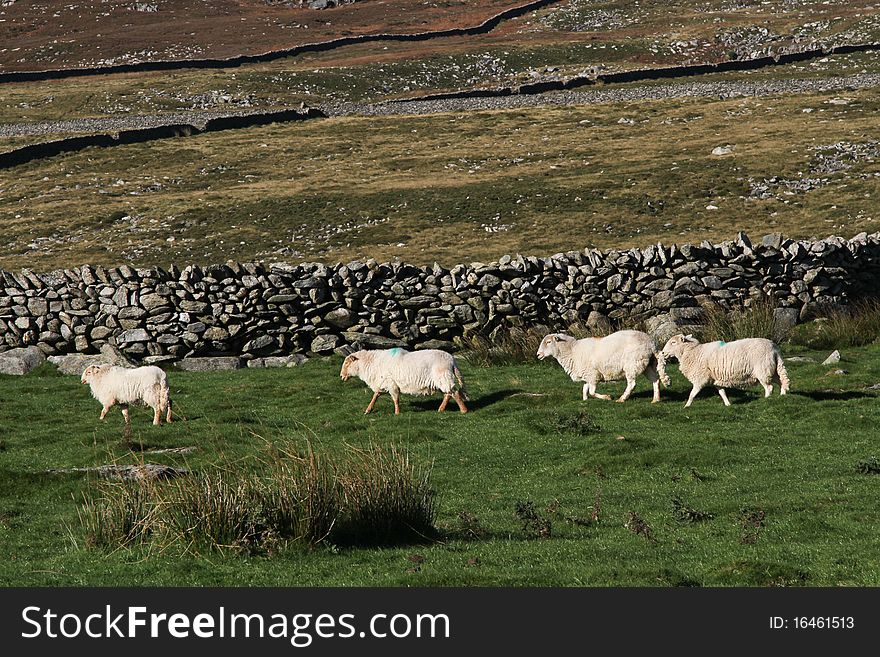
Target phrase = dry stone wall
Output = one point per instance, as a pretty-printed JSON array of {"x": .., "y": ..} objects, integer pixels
[{"x": 255, "y": 311}]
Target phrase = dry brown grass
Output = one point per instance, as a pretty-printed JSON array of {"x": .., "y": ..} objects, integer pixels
[{"x": 432, "y": 187}]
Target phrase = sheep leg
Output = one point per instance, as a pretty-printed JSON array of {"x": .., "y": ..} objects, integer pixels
[
  {"x": 724, "y": 396},
  {"x": 654, "y": 378},
  {"x": 696, "y": 389},
  {"x": 373, "y": 402},
  {"x": 124, "y": 408},
  {"x": 768, "y": 389},
  {"x": 105, "y": 410},
  {"x": 395, "y": 397},
  {"x": 168, "y": 413},
  {"x": 630, "y": 384},
  {"x": 460, "y": 401},
  {"x": 443, "y": 403},
  {"x": 587, "y": 391},
  {"x": 157, "y": 415}
]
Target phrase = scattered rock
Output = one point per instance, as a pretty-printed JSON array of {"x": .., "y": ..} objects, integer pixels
[
  {"x": 209, "y": 364},
  {"x": 21, "y": 361},
  {"x": 833, "y": 357},
  {"x": 723, "y": 150},
  {"x": 131, "y": 472}
]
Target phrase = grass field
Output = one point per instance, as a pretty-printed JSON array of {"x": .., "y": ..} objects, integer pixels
[{"x": 775, "y": 492}]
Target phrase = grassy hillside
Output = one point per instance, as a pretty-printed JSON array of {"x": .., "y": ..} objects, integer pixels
[
  {"x": 775, "y": 491},
  {"x": 458, "y": 186}
]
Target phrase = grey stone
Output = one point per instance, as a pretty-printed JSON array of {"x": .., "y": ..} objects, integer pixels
[
  {"x": 153, "y": 301},
  {"x": 443, "y": 345},
  {"x": 341, "y": 318},
  {"x": 325, "y": 343},
  {"x": 37, "y": 307},
  {"x": 133, "y": 335},
  {"x": 259, "y": 344},
  {"x": 599, "y": 323},
  {"x": 661, "y": 328},
  {"x": 193, "y": 306},
  {"x": 75, "y": 364},
  {"x": 131, "y": 312},
  {"x": 113, "y": 356},
  {"x": 209, "y": 364},
  {"x": 833, "y": 357},
  {"x": 215, "y": 333},
  {"x": 21, "y": 361},
  {"x": 155, "y": 360}
]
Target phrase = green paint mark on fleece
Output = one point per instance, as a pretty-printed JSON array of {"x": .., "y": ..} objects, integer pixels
[
  {"x": 395, "y": 350},
  {"x": 721, "y": 343}
]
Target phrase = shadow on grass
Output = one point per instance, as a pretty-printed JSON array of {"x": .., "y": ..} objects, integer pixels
[
  {"x": 834, "y": 395},
  {"x": 473, "y": 403}
]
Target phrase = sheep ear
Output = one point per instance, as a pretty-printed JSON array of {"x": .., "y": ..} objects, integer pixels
[{"x": 556, "y": 338}]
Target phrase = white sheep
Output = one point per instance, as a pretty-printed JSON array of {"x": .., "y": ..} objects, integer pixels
[
  {"x": 728, "y": 364},
  {"x": 111, "y": 385},
  {"x": 398, "y": 370},
  {"x": 621, "y": 355}
]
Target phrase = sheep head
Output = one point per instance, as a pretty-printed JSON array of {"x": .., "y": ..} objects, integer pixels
[
  {"x": 350, "y": 367},
  {"x": 90, "y": 373},
  {"x": 550, "y": 344},
  {"x": 677, "y": 344}
]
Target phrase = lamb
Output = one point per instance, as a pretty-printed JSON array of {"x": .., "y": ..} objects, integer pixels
[
  {"x": 111, "y": 385},
  {"x": 624, "y": 354},
  {"x": 728, "y": 364},
  {"x": 398, "y": 370}
]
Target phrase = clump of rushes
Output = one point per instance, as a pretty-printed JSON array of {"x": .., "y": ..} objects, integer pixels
[
  {"x": 758, "y": 320},
  {"x": 371, "y": 496},
  {"x": 852, "y": 326}
]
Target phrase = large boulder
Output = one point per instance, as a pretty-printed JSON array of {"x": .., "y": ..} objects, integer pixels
[
  {"x": 210, "y": 364},
  {"x": 21, "y": 361}
]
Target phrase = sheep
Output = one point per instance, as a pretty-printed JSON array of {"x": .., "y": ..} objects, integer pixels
[
  {"x": 111, "y": 384},
  {"x": 728, "y": 364},
  {"x": 624, "y": 354},
  {"x": 398, "y": 370}
]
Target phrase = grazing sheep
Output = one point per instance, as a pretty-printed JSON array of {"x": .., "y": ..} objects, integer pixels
[
  {"x": 728, "y": 364},
  {"x": 111, "y": 385},
  {"x": 624, "y": 354},
  {"x": 398, "y": 370}
]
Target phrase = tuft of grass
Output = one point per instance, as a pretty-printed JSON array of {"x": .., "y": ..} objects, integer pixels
[
  {"x": 579, "y": 424},
  {"x": 685, "y": 514},
  {"x": 117, "y": 515},
  {"x": 375, "y": 496},
  {"x": 503, "y": 348},
  {"x": 470, "y": 527},
  {"x": 386, "y": 499},
  {"x": 752, "y": 521},
  {"x": 534, "y": 524},
  {"x": 851, "y": 326},
  {"x": 869, "y": 466},
  {"x": 758, "y": 320},
  {"x": 637, "y": 525}
]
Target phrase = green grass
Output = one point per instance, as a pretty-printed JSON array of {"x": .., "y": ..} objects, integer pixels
[{"x": 531, "y": 489}]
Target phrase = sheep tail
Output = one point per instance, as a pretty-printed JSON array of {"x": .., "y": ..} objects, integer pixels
[
  {"x": 661, "y": 368},
  {"x": 163, "y": 394},
  {"x": 782, "y": 374},
  {"x": 457, "y": 373}
]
